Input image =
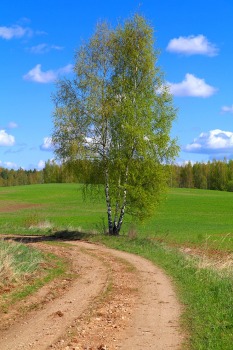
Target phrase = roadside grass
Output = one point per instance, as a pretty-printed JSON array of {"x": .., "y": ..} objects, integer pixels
[
  {"x": 23, "y": 270},
  {"x": 17, "y": 263}
]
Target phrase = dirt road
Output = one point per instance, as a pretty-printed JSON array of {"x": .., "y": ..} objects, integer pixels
[{"x": 117, "y": 301}]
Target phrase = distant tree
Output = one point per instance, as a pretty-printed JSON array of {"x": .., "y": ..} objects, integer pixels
[
  {"x": 20, "y": 177},
  {"x": 199, "y": 176},
  {"x": 186, "y": 176},
  {"x": 230, "y": 186},
  {"x": 117, "y": 112},
  {"x": 52, "y": 172},
  {"x": 218, "y": 175}
]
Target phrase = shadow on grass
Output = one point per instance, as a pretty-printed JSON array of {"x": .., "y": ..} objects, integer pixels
[{"x": 64, "y": 235}]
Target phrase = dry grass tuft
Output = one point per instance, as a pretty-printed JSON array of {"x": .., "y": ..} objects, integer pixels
[
  {"x": 6, "y": 267},
  {"x": 132, "y": 233},
  {"x": 213, "y": 260},
  {"x": 17, "y": 263},
  {"x": 43, "y": 225}
]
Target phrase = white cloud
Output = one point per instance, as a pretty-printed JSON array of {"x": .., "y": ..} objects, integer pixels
[
  {"x": 227, "y": 109},
  {"x": 192, "y": 86},
  {"x": 14, "y": 31},
  {"x": 65, "y": 70},
  {"x": 38, "y": 76},
  {"x": 192, "y": 45},
  {"x": 47, "y": 144},
  {"x": 41, "y": 165},
  {"x": 10, "y": 165},
  {"x": 215, "y": 141},
  {"x": 44, "y": 48},
  {"x": 6, "y": 139}
]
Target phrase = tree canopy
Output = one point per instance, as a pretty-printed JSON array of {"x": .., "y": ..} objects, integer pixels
[{"x": 117, "y": 111}]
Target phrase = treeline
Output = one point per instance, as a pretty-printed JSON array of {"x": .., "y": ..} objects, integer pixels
[
  {"x": 20, "y": 177},
  {"x": 215, "y": 175},
  {"x": 80, "y": 171}
]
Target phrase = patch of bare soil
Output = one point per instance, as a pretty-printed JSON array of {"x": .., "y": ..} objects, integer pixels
[
  {"x": 118, "y": 301},
  {"x": 10, "y": 207}
]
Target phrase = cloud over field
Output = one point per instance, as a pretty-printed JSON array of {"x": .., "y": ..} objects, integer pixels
[
  {"x": 191, "y": 86},
  {"x": 9, "y": 165},
  {"x": 212, "y": 142},
  {"x": 14, "y": 32},
  {"x": 38, "y": 76},
  {"x": 41, "y": 165},
  {"x": 44, "y": 48},
  {"x": 6, "y": 139},
  {"x": 47, "y": 144},
  {"x": 192, "y": 45},
  {"x": 227, "y": 109}
]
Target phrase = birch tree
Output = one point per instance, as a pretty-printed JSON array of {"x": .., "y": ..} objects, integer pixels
[{"x": 116, "y": 111}]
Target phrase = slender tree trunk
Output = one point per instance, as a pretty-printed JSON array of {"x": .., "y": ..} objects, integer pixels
[
  {"x": 108, "y": 202},
  {"x": 122, "y": 213},
  {"x": 117, "y": 207},
  {"x": 117, "y": 228}
]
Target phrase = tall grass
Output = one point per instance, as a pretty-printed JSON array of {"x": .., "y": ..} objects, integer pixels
[
  {"x": 24, "y": 270},
  {"x": 17, "y": 262}
]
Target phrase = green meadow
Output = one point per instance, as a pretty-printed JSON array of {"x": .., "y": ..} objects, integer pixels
[
  {"x": 186, "y": 216},
  {"x": 190, "y": 216},
  {"x": 42, "y": 208}
]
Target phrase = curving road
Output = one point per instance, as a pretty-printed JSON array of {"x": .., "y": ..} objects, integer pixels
[{"x": 117, "y": 301}]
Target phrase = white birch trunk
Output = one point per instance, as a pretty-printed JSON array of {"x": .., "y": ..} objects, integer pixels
[
  {"x": 122, "y": 213},
  {"x": 108, "y": 202}
]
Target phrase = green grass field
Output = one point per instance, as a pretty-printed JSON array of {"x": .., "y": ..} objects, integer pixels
[
  {"x": 194, "y": 217},
  {"x": 186, "y": 216},
  {"x": 60, "y": 205}
]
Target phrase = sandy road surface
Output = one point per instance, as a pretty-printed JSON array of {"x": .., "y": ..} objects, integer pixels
[{"x": 118, "y": 301}]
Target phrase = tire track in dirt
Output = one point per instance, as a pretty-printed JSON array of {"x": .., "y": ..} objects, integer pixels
[
  {"x": 42, "y": 327},
  {"x": 140, "y": 310},
  {"x": 155, "y": 320}
]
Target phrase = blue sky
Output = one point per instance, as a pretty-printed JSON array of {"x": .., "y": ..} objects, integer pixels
[{"x": 37, "y": 44}]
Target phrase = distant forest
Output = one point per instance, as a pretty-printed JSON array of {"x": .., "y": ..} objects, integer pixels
[{"x": 215, "y": 175}]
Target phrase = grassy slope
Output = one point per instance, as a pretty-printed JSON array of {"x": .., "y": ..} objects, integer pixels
[
  {"x": 60, "y": 204},
  {"x": 186, "y": 216},
  {"x": 194, "y": 216}
]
